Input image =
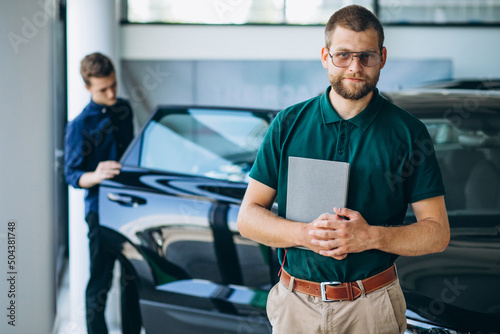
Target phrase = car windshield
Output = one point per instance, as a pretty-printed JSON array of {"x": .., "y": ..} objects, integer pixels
[
  {"x": 469, "y": 157},
  {"x": 220, "y": 144}
]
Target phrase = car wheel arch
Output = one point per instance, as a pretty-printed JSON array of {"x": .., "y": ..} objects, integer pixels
[{"x": 135, "y": 264}]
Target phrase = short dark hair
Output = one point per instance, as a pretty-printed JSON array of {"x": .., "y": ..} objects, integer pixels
[
  {"x": 95, "y": 65},
  {"x": 355, "y": 18}
]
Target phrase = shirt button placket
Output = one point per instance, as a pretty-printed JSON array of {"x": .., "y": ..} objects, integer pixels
[{"x": 342, "y": 140}]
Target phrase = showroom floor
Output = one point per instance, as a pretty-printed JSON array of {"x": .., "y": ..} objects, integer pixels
[{"x": 64, "y": 324}]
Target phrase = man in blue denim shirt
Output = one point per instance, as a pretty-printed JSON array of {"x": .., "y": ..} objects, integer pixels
[{"x": 95, "y": 141}]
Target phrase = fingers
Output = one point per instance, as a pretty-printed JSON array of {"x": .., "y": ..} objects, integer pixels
[
  {"x": 110, "y": 173},
  {"x": 325, "y": 244},
  {"x": 108, "y": 169},
  {"x": 336, "y": 254},
  {"x": 334, "y": 223},
  {"x": 326, "y": 219},
  {"x": 346, "y": 213},
  {"x": 328, "y": 233},
  {"x": 327, "y": 228},
  {"x": 326, "y": 216},
  {"x": 110, "y": 164},
  {"x": 330, "y": 248},
  {"x": 331, "y": 233}
]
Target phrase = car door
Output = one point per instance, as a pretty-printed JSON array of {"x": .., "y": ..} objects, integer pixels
[{"x": 175, "y": 204}]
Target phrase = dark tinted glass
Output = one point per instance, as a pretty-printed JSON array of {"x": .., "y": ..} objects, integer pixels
[
  {"x": 469, "y": 158},
  {"x": 220, "y": 144}
]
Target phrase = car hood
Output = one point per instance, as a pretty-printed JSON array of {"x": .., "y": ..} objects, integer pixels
[{"x": 458, "y": 288}]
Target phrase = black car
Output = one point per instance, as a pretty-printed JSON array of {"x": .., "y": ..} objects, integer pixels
[
  {"x": 492, "y": 84},
  {"x": 172, "y": 215}
]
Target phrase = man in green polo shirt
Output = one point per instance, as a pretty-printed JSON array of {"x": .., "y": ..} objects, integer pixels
[{"x": 392, "y": 164}]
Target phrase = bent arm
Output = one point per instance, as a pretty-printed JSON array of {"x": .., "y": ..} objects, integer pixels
[
  {"x": 430, "y": 234},
  {"x": 257, "y": 222},
  {"x": 337, "y": 237}
]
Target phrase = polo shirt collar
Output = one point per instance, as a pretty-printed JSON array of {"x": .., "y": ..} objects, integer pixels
[
  {"x": 329, "y": 114},
  {"x": 361, "y": 120}
]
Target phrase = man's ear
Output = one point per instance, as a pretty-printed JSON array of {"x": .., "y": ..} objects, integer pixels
[
  {"x": 324, "y": 56},
  {"x": 87, "y": 87},
  {"x": 384, "y": 57}
]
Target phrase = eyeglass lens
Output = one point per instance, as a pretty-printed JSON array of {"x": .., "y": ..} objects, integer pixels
[{"x": 344, "y": 59}]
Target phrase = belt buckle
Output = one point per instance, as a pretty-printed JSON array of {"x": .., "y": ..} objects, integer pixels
[{"x": 323, "y": 290}]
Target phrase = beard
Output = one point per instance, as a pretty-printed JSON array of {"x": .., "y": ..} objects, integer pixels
[{"x": 354, "y": 91}]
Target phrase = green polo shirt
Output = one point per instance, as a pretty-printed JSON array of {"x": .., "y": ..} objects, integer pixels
[{"x": 392, "y": 163}]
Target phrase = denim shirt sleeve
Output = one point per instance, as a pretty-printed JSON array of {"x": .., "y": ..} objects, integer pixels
[{"x": 74, "y": 154}]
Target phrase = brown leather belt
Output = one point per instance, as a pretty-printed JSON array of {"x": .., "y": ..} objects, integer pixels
[{"x": 336, "y": 291}]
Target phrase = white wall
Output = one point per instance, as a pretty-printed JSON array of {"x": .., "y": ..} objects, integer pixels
[
  {"x": 27, "y": 165},
  {"x": 191, "y": 42},
  {"x": 91, "y": 27},
  {"x": 474, "y": 51}
]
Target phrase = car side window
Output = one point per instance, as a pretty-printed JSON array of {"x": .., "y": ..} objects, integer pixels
[{"x": 220, "y": 144}]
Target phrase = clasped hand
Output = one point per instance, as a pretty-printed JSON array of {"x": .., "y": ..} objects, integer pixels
[{"x": 339, "y": 234}]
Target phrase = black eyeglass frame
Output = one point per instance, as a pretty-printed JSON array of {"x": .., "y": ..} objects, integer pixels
[{"x": 359, "y": 53}]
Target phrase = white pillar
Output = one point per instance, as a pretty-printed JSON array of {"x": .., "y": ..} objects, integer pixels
[
  {"x": 27, "y": 284},
  {"x": 92, "y": 26}
]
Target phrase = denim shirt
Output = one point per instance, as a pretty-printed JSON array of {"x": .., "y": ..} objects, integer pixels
[{"x": 98, "y": 134}]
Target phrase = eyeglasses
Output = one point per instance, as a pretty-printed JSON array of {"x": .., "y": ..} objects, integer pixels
[{"x": 344, "y": 59}]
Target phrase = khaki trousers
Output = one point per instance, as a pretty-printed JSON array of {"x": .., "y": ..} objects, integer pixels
[{"x": 379, "y": 312}]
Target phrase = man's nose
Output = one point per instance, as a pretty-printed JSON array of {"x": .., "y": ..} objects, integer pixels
[
  {"x": 111, "y": 94},
  {"x": 355, "y": 65}
]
